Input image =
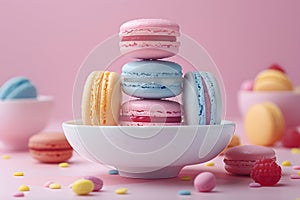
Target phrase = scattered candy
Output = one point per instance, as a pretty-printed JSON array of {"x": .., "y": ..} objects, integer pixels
[
  {"x": 48, "y": 183},
  {"x": 63, "y": 164},
  {"x": 209, "y": 164},
  {"x": 23, "y": 188},
  {"x": 121, "y": 191},
  {"x": 113, "y": 172},
  {"x": 185, "y": 178},
  {"x": 286, "y": 163},
  {"x": 296, "y": 167},
  {"x": 247, "y": 85},
  {"x": 298, "y": 173},
  {"x": 18, "y": 194},
  {"x": 184, "y": 192},
  {"x": 294, "y": 176},
  {"x": 295, "y": 150},
  {"x": 55, "y": 186},
  {"x": 266, "y": 172},
  {"x": 5, "y": 157},
  {"x": 98, "y": 183},
  {"x": 18, "y": 174},
  {"x": 205, "y": 182},
  {"x": 253, "y": 184},
  {"x": 82, "y": 186}
]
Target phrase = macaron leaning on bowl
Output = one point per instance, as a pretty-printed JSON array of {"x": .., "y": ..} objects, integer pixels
[{"x": 22, "y": 113}]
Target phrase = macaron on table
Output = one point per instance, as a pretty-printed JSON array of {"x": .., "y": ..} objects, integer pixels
[{"x": 167, "y": 120}]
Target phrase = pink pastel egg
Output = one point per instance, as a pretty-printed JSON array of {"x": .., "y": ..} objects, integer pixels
[
  {"x": 247, "y": 85},
  {"x": 98, "y": 183},
  {"x": 205, "y": 182}
]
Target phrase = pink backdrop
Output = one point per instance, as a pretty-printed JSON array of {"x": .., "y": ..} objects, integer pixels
[{"x": 48, "y": 40}]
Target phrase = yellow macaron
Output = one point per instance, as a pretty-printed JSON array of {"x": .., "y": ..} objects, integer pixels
[
  {"x": 264, "y": 124},
  {"x": 101, "y": 99},
  {"x": 272, "y": 80}
]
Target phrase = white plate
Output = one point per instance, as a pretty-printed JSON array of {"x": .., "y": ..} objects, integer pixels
[{"x": 149, "y": 152}]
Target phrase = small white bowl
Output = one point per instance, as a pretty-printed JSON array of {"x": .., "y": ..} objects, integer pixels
[
  {"x": 20, "y": 119},
  {"x": 150, "y": 151},
  {"x": 288, "y": 102}
]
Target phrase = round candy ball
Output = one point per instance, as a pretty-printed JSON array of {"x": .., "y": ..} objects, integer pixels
[
  {"x": 98, "y": 183},
  {"x": 205, "y": 182}
]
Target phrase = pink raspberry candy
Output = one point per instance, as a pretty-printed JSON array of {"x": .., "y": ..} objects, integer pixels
[{"x": 266, "y": 172}]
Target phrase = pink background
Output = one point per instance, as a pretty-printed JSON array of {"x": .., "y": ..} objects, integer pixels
[{"x": 48, "y": 40}]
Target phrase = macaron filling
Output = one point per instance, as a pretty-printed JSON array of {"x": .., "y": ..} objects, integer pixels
[
  {"x": 151, "y": 119},
  {"x": 149, "y": 38}
]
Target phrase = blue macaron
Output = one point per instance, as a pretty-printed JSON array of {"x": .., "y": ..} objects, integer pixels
[
  {"x": 17, "y": 88},
  {"x": 202, "y": 102},
  {"x": 152, "y": 79}
]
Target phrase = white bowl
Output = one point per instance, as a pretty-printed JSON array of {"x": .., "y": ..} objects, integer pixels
[
  {"x": 20, "y": 119},
  {"x": 288, "y": 102},
  {"x": 150, "y": 151}
]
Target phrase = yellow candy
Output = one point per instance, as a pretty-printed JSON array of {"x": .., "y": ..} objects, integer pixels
[
  {"x": 5, "y": 157},
  {"x": 54, "y": 186},
  {"x": 82, "y": 186},
  {"x": 121, "y": 191},
  {"x": 210, "y": 164},
  {"x": 185, "y": 178},
  {"x": 63, "y": 165},
  {"x": 23, "y": 188},
  {"x": 286, "y": 163},
  {"x": 295, "y": 150},
  {"x": 18, "y": 174},
  {"x": 298, "y": 173}
]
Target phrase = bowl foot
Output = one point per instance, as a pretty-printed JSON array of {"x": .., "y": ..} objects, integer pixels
[{"x": 167, "y": 172}]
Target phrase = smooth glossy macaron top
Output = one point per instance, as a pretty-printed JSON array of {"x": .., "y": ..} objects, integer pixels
[
  {"x": 149, "y": 38},
  {"x": 144, "y": 112},
  {"x": 17, "y": 88},
  {"x": 202, "y": 100},
  {"x": 152, "y": 79}
]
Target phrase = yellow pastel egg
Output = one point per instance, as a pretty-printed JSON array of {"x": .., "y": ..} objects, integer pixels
[{"x": 82, "y": 186}]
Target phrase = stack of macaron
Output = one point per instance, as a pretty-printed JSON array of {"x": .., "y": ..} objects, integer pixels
[{"x": 151, "y": 82}]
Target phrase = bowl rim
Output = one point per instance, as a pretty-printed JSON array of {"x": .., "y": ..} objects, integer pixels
[{"x": 40, "y": 98}]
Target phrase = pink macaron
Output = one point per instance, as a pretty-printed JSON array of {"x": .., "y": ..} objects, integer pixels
[
  {"x": 150, "y": 112},
  {"x": 149, "y": 38},
  {"x": 241, "y": 159}
]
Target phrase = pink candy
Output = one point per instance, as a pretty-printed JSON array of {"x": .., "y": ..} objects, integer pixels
[
  {"x": 247, "y": 85},
  {"x": 205, "y": 182},
  {"x": 98, "y": 183}
]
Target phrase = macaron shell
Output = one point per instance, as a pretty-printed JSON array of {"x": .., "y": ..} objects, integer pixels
[
  {"x": 241, "y": 159},
  {"x": 110, "y": 100},
  {"x": 272, "y": 80},
  {"x": 17, "y": 88},
  {"x": 264, "y": 124},
  {"x": 50, "y": 147},
  {"x": 153, "y": 79}
]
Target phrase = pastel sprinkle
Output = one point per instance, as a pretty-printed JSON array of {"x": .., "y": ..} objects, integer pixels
[
  {"x": 209, "y": 164},
  {"x": 121, "y": 191},
  {"x": 184, "y": 192},
  {"x": 55, "y": 186},
  {"x": 295, "y": 150},
  {"x": 23, "y": 188},
  {"x": 254, "y": 185},
  {"x": 18, "y": 194},
  {"x": 286, "y": 163},
  {"x": 48, "y": 183},
  {"x": 185, "y": 178},
  {"x": 113, "y": 172},
  {"x": 63, "y": 164},
  {"x": 18, "y": 174},
  {"x": 294, "y": 176},
  {"x": 5, "y": 157},
  {"x": 296, "y": 167}
]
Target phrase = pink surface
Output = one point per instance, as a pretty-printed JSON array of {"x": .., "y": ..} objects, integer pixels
[
  {"x": 47, "y": 41},
  {"x": 227, "y": 186}
]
